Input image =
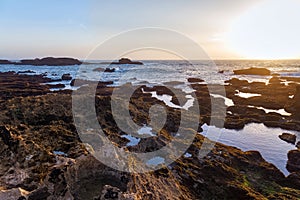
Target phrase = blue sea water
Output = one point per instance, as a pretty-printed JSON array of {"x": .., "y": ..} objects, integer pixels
[{"x": 159, "y": 72}]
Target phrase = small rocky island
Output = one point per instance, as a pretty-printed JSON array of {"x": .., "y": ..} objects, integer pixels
[
  {"x": 124, "y": 61},
  {"x": 47, "y": 61}
]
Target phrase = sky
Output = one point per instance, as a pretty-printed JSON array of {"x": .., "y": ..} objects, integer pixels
[{"x": 225, "y": 29}]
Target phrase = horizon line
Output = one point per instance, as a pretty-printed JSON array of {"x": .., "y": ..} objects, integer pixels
[{"x": 155, "y": 59}]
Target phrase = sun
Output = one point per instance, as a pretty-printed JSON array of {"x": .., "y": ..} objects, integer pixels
[{"x": 270, "y": 30}]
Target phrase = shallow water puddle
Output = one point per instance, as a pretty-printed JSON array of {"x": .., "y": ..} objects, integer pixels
[
  {"x": 132, "y": 140},
  {"x": 257, "y": 137},
  {"x": 146, "y": 130},
  {"x": 59, "y": 153},
  {"x": 167, "y": 99},
  {"x": 280, "y": 111},
  {"x": 187, "y": 155},
  {"x": 246, "y": 95}
]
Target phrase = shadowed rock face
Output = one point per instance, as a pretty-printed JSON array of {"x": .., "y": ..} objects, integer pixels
[
  {"x": 5, "y": 135},
  {"x": 41, "y": 124},
  {"x": 293, "y": 164},
  {"x": 5, "y": 62},
  {"x": 50, "y": 61}
]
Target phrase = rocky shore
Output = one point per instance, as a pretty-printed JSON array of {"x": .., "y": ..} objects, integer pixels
[{"x": 42, "y": 156}]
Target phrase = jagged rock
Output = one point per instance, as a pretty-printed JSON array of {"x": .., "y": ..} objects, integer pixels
[
  {"x": 13, "y": 194},
  {"x": 99, "y": 69},
  {"x": 110, "y": 70},
  {"x": 110, "y": 192},
  {"x": 195, "y": 80},
  {"x": 253, "y": 71},
  {"x": 290, "y": 138},
  {"x": 293, "y": 164},
  {"x": 294, "y": 179},
  {"x": 5, "y": 136},
  {"x": 26, "y": 71},
  {"x": 293, "y": 105},
  {"x": 39, "y": 194},
  {"x": 66, "y": 77},
  {"x": 56, "y": 86},
  {"x": 14, "y": 85},
  {"x": 298, "y": 145}
]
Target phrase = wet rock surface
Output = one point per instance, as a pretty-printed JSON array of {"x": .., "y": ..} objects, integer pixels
[
  {"x": 290, "y": 138},
  {"x": 298, "y": 145},
  {"x": 272, "y": 96},
  {"x": 253, "y": 71},
  {"x": 66, "y": 77},
  {"x": 293, "y": 164},
  {"x": 110, "y": 70},
  {"x": 195, "y": 80},
  {"x": 13, "y": 85},
  {"x": 35, "y": 123}
]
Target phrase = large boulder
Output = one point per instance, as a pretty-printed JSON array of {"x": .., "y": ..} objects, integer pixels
[
  {"x": 253, "y": 71},
  {"x": 195, "y": 80},
  {"x": 293, "y": 164},
  {"x": 109, "y": 70},
  {"x": 66, "y": 77},
  {"x": 290, "y": 138}
]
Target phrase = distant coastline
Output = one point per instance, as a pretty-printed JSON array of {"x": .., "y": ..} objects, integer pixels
[
  {"x": 63, "y": 61},
  {"x": 50, "y": 61}
]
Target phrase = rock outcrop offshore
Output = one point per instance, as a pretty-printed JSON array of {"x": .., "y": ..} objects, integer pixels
[
  {"x": 48, "y": 61},
  {"x": 253, "y": 71},
  {"x": 124, "y": 61}
]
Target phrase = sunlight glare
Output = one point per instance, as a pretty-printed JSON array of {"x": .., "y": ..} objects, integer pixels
[{"x": 271, "y": 30}]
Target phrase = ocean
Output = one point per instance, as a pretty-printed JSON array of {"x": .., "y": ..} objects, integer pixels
[{"x": 162, "y": 71}]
